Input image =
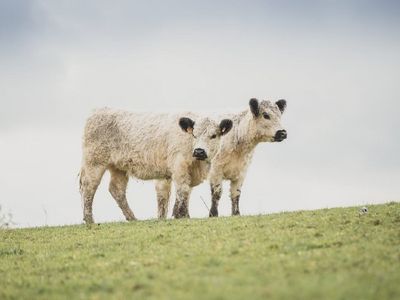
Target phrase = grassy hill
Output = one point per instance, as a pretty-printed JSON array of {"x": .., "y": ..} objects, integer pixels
[{"x": 324, "y": 254}]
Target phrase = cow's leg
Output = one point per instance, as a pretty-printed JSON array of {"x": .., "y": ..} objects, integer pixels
[
  {"x": 216, "y": 191},
  {"x": 183, "y": 194},
  {"x": 235, "y": 190},
  {"x": 163, "y": 189},
  {"x": 117, "y": 188},
  {"x": 176, "y": 208},
  {"x": 90, "y": 177},
  {"x": 182, "y": 179},
  {"x": 181, "y": 207}
]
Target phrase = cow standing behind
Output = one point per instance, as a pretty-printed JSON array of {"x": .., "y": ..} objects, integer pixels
[
  {"x": 259, "y": 123},
  {"x": 147, "y": 146}
]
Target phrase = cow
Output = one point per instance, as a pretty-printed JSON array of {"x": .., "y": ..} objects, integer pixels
[
  {"x": 167, "y": 147},
  {"x": 261, "y": 122}
]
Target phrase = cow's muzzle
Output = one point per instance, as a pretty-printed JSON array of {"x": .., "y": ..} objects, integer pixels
[
  {"x": 199, "y": 154},
  {"x": 280, "y": 135}
]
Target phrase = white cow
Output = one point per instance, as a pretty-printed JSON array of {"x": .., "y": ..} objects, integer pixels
[
  {"x": 166, "y": 147},
  {"x": 261, "y": 122}
]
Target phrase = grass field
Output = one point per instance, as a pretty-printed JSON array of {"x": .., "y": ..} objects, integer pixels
[{"x": 323, "y": 254}]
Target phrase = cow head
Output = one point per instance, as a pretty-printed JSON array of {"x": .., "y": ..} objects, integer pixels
[
  {"x": 266, "y": 122},
  {"x": 206, "y": 135}
]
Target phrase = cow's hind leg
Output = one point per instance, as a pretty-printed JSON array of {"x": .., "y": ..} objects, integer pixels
[
  {"x": 163, "y": 188},
  {"x": 117, "y": 188},
  {"x": 90, "y": 177}
]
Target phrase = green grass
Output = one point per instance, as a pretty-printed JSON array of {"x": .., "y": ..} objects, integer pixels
[{"x": 323, "y": 254}]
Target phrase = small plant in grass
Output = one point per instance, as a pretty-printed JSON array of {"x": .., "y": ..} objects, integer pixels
[{"x": 5, "y": 219}]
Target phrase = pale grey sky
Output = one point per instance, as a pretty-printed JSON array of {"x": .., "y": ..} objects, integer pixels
[{"x": 336, "y": 63}]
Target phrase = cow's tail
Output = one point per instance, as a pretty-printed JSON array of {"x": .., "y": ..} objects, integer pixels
[{"x": 81, "y": 174}]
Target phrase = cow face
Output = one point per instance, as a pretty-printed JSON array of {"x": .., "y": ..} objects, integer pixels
[
  {"x": 267, "y": 120},
  {"x": 206, "y": 135}
]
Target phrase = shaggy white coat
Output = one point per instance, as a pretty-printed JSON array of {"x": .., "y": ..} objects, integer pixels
[
  {"x": 145, "y": 146},
  {"x": 237, "y": 148}
]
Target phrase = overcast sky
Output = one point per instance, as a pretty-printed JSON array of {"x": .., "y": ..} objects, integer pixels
[{"x": 336, "y": 63}]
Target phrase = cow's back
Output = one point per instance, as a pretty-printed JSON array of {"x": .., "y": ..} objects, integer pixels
[{"x": 143, "y": 144}]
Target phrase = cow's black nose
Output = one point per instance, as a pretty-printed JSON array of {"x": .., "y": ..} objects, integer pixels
[
  {"x": 280, "y": 135},
  {"x": 199, "y": 153}
]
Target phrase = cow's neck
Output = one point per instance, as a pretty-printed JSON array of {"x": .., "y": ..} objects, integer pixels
[{"x": 245, "y": 137}]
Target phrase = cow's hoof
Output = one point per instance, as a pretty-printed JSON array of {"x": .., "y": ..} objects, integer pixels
[
  {"x": 175, "y": 212},
  {"x": 182, "y": 215},
  {"x": 213, "y": 212},
  {"x": 88, "y": 220},
  {"x": 236, "y": 213}
]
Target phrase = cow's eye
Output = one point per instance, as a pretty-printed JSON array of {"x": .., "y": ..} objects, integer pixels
[
  {"x": 266, "y": 116},
  {"x": 213, "y": 136}
]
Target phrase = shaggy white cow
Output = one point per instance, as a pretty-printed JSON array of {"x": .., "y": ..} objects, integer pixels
[
  {"x": 147, "y": 146},
  {"x": 260, "y": 123}
]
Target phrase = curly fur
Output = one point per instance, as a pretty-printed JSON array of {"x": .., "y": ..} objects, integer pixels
[
  {"x": 236, "y": 148},
  {"x": 145, "y": 146}
]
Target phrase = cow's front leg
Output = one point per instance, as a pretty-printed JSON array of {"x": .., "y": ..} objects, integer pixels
[
  {"x": 216, "y": 191},
  {"x": 235, "y": 190},
  {"x": 181, "y": 207},
  {"x": 181, "y": 178}
]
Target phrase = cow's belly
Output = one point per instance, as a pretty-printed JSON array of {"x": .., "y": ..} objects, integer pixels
[
  {"x": 234, "y": 170},
  {"x": 144, "y": 170},
  {"x": 236, "y": 165},
  {"x": 149, "y": 174}
]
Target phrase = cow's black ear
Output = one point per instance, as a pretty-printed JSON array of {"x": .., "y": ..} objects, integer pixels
[
  {"x": 254, "y": 107},
  {"x": 281, "y": 104},
  {"x": 186, "y": 124},
  {"x": 225, "y": 126}
]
